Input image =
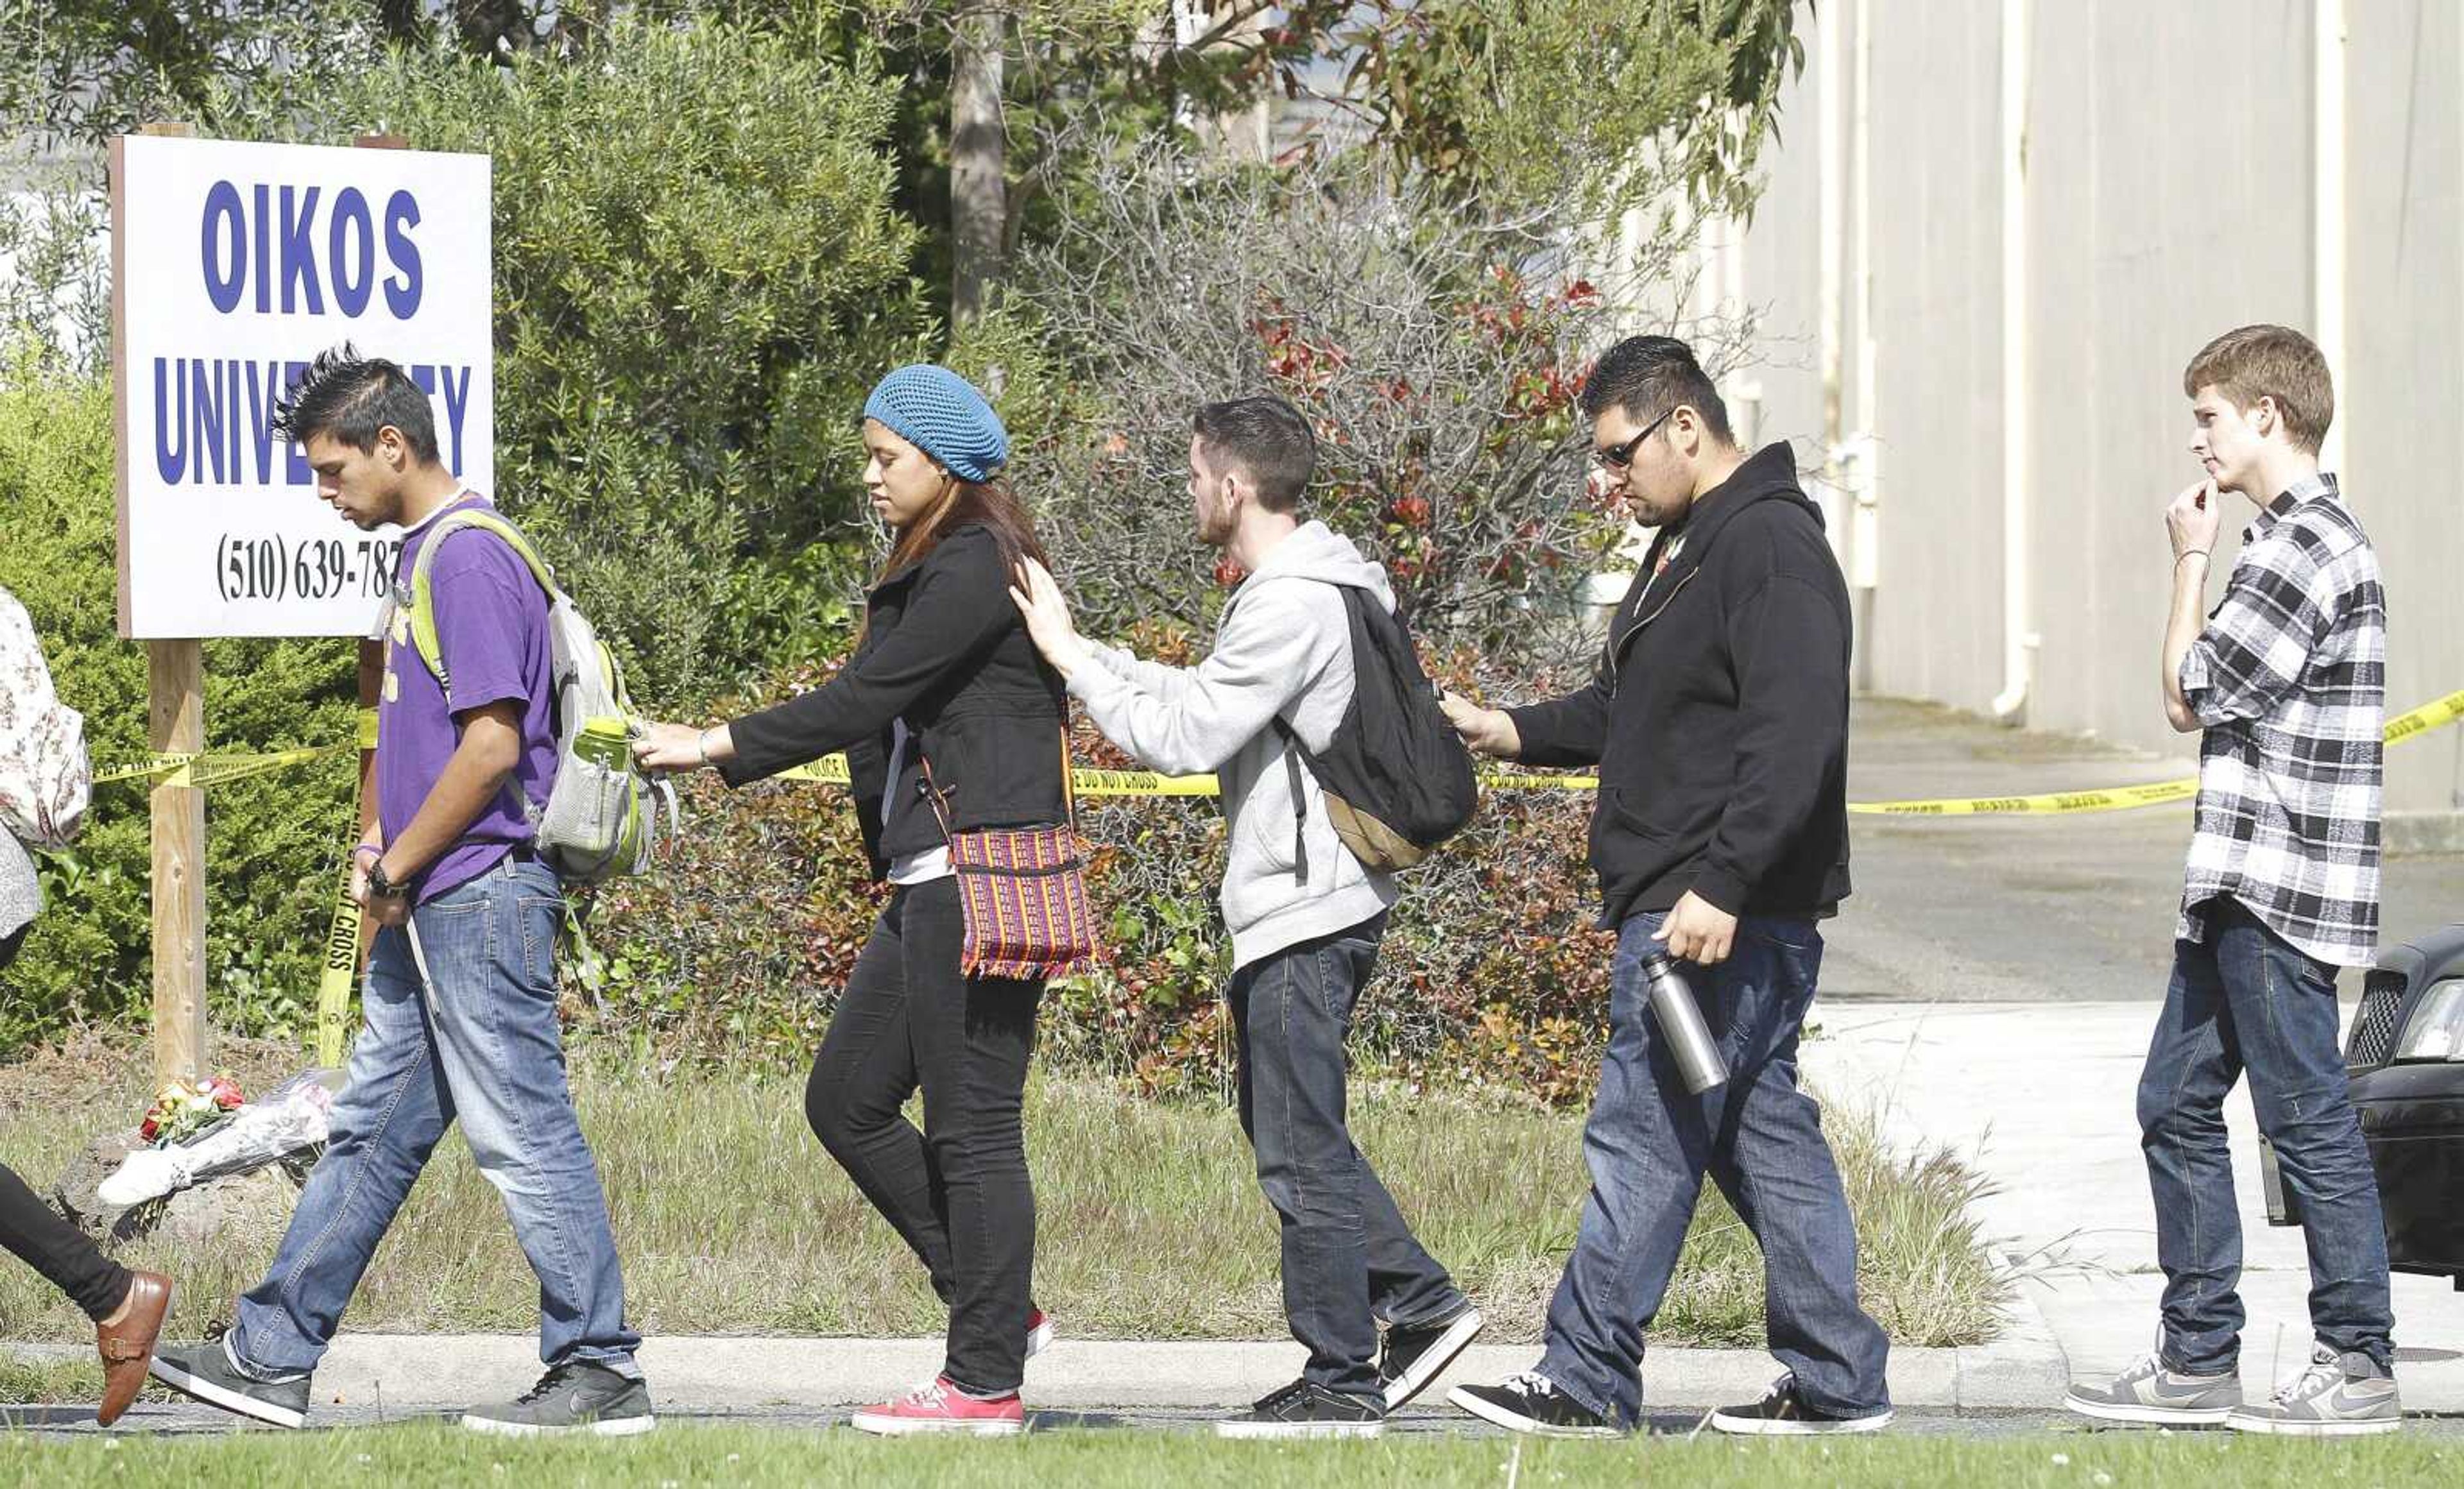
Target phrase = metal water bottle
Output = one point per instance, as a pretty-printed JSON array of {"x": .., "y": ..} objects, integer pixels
[{"x": 1680, "y": 1025}]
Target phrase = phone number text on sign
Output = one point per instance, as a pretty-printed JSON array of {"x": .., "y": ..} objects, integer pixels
[{"x": 270, "y": 566}]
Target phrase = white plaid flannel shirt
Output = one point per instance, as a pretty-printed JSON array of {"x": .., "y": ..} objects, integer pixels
[{"x": 2289, "y": 678}]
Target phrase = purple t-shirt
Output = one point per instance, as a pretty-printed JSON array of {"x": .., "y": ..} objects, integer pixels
[{"x": 492, "y": 630}]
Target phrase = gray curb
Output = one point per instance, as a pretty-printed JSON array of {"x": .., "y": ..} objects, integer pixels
[
  {"x": 2024, "y": 1370},
  {"x": 729, "y": 1374}
]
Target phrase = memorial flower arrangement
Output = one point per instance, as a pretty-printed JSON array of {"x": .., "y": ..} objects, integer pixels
[{"x": 183, "y": 1107}]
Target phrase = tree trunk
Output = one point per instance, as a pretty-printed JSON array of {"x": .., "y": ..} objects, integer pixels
[{"x": 979, "y": 160}]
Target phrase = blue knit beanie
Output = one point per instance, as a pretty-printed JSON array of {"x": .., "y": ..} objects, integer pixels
[{"x": 941, "y": 414}]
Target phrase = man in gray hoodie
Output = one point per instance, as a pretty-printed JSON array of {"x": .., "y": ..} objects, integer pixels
[{"x": 1305, "y": 916}]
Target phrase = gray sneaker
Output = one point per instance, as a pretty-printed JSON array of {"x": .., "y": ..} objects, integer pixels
[
  {"x": 213, "y": 1374},
  {"x": 2327, "y": 1400},
  {"x": 578, "y": 1396},
  {"x": 2150, "y": 1393}
]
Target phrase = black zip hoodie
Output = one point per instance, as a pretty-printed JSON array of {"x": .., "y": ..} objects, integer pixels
[{"x": 1719, "y": 714}]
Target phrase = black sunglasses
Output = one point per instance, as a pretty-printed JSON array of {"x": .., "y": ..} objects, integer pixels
[{"x": 1618, "y": 457}]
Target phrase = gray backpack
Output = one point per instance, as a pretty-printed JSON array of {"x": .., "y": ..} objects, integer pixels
[{"x": 601, "y": 818}]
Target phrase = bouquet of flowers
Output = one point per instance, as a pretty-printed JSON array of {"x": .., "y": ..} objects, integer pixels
[
  {"x": 291, "y": 1119},
  {"x": 182, "y": 1109}
]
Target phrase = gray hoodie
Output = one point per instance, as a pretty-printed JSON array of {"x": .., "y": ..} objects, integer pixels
[{"x": 1284, "y": 648}]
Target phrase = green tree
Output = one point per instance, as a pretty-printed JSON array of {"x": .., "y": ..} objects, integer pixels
[
  {"x": 699, "y": 270},
  {"x": 77, "y": 71}
]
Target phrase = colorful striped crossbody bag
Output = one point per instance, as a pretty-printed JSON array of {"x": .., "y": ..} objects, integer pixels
[{"x": 1023, "y": 891}]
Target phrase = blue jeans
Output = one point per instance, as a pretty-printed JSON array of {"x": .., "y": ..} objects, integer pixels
[
  {"x": 479, "y": 1040},
  {"x": 2244, "y": 998},
  {"x": 1648, "y": 1143},
  {"x": 1349, "y": 1259}
]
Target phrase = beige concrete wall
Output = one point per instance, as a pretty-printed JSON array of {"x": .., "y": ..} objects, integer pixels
[
  {"x": 2169, "y": 180},
  {"x": 2403, "y": 403}
]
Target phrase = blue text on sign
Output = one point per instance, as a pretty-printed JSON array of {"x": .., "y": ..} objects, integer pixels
[{"x": 294, "y": 244}]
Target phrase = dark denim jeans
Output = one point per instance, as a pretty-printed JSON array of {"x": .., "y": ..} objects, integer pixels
[
  {"x": 35, "y": 1234},
  {"x": 958, "y": 1192},
  {"x": 476, "y": 1038},
  {"x": 1348, "y": 1261},
  {"x": 1648, "y": 1143},
  {"x": 2244, "y": 999}
]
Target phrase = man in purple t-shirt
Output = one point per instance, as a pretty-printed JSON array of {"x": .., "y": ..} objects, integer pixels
[
  {"x": 492, "y": 632},
  {"x": 460, "y": 1000}
]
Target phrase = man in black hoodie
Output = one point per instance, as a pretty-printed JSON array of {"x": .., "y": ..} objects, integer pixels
[{"x": 1719, "y": 720}]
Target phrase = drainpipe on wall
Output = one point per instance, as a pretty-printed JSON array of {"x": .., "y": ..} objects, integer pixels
[
  {"x": 2010, "y": 705},
  {"x": 2327, "y": 214},
  {"x": 1829, "y": 222}
]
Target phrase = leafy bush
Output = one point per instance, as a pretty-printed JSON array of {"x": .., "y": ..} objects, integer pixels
[
  {"x": 699, "y": 272},
  {"x": 736, "y": 949},
  {"x": 273, "y": 842}
]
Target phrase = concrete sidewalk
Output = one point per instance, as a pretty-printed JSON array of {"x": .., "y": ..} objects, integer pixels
[
  {"x": 2040, "y": 1097},
  {"x": 422, "y": 1372},
  {"x": 1991, "y": 988}
]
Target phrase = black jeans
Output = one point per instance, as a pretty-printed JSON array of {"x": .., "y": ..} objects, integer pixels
[
  {"x": 35, "y": 1234},
  {"x": 1349, "y": 1259},
  {"x": 957, "y": 1192}
]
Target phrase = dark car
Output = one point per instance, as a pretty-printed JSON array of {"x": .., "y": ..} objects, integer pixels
[{"x": 2405, "y": 1060}]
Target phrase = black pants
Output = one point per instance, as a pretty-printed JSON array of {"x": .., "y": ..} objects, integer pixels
[
  {"x": 1349, "y": 1259},
  {"x": 956, "y": 1192},
  {"x": 34, "y": 1232}
]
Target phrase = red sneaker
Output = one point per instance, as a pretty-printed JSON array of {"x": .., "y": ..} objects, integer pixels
[
  {"x": 1039, "y": 1333},
  {"x": 943, "y": 1408}
]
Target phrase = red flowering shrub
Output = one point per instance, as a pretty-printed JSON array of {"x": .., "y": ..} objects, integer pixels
[
  {"x": 737, "y": 945},
  {"x": 1438, "y": 364}
]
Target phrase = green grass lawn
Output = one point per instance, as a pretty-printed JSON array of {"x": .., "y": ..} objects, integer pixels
[
  {"x": 1101, "y": 1459},
  {"x": 730, "y": 1218}
]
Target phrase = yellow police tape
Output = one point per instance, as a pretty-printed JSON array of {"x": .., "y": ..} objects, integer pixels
[
  {"x": 341, "y": 959},
  {"x": 2408, "y": 724},
  {"x": 194, "y": 768},
  {"x": 208, "y": 770},
  {"x": 832, "y": 769}
]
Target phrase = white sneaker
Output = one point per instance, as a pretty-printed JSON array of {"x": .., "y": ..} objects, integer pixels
[{"x": 2326, "y": 1400}]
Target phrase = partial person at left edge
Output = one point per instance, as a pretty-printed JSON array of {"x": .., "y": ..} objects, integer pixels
[{"x": 45, "y": 784}]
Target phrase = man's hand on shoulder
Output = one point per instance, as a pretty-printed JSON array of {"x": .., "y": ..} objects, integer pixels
[{"x": 1045, "y": 611}]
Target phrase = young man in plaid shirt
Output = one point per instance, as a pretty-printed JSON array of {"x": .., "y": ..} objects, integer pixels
[{"x": 2285, "y": 682}]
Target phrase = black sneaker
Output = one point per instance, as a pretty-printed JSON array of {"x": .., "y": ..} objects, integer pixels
[
  {"x": 1305, "y": 1408},
  {"x": 1784, "y": 1414},
  {"x": 1414, "y": 1357},
  {"x": 1531, "y": 1403},
  {"x": 576, "y": 1396},
  {"x": 213, "y": 1374}
]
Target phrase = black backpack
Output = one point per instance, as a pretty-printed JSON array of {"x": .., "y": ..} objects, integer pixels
[{"x": 1397, "y": 779}]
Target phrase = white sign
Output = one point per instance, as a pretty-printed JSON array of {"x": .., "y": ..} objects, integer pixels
[{"x": 234, "y": 265}]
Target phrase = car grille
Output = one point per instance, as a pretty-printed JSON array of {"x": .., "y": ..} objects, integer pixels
[{"x": 2376, "y": 1025}]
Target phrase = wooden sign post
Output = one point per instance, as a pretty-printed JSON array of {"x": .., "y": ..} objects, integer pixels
[{"x": 175, "y": 712}]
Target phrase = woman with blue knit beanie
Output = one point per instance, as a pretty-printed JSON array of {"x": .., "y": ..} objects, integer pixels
[{"x": 942, "y": 671}]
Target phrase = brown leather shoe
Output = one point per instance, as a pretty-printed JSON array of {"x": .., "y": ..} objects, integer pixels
[{"x": 129, "y": 1344}]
